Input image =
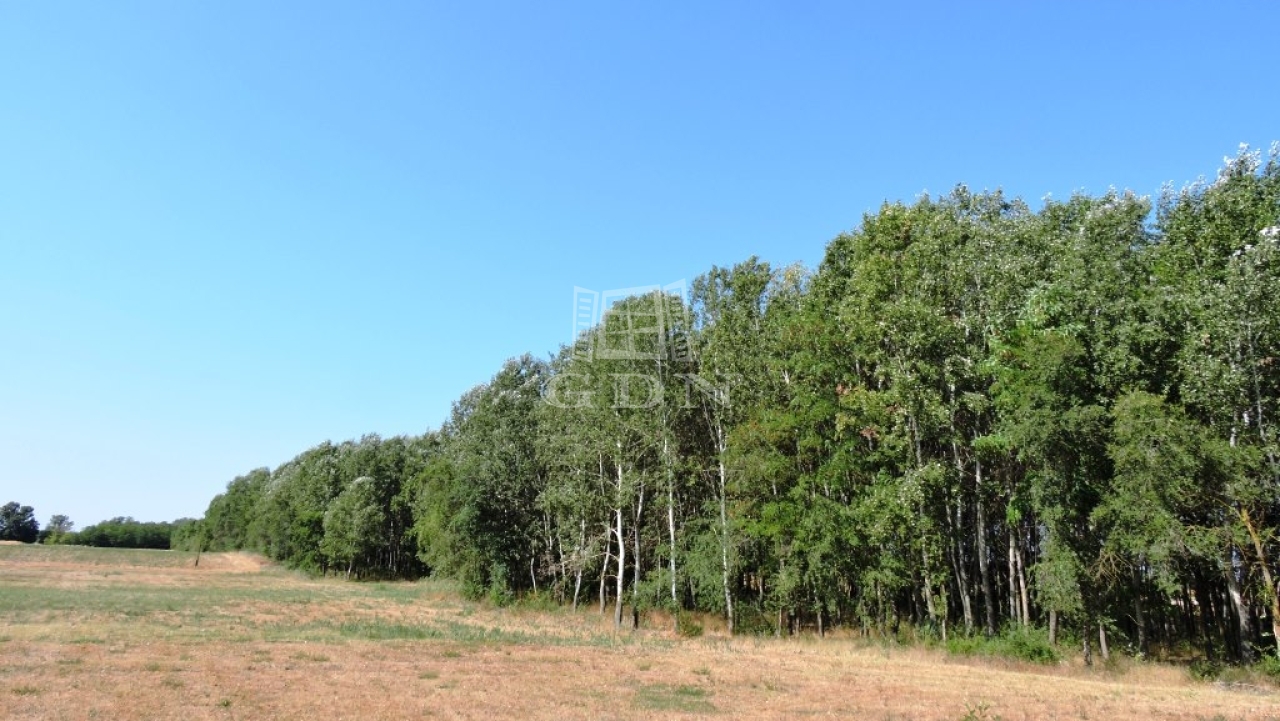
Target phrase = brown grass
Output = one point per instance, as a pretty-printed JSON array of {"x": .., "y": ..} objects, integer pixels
[{"x": 239, "y": 639}]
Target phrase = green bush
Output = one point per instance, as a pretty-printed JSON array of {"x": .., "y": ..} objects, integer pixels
[
  {"x": 498, "y": 591},
  {"x": 967, "y": 645},
  {"x": 1205, "y": 669},
  {"x": 1265, "y": 671},
  {"x": 687, "y": 627},
  {"x": 540, "y": 601},
  {"x": 751, "y": 620},
  {"x": 1030, "y": 645},
  {"x": 1270, "y": 666},
  {"x": 1024, "y": 644}
]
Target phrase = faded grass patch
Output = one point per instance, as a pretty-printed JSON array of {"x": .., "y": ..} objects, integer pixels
[{"x": 666, "y": 697}]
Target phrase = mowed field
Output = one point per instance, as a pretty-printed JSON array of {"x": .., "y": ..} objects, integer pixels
[{"x": 114, "y": 634}]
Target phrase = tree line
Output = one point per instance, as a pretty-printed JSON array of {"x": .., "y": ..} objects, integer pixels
[
  {"x": 972, "y": 416},
  {"x": 125, "y": 532},
  {"x": 18, "y": 523}
]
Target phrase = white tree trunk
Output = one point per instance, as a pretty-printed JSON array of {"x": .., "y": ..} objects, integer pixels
[
  {"x": 635, "y": 560},
  {"x": 622, "y": 553},
  {"x": 579, "y": 562},
  {"x": 671, "y": 532},
  {"x": 724, "y": 547}
]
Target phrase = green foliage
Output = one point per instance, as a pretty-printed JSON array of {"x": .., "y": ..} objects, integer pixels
[
  {"x": 755, "y": 621},
  {"x": 687, "y": 627},
  {"x": 124, "y": 532},
  {"x": 478, "y": 509},
  {"x": 1023, "y": 644},
  {"x": 1203, "y": 669},
  {"x": 18, "y": 523},
  {"x": 499, "y": 590},
  {"x": 57, "y": 529},
  {"x": 973, "y": 413},
  {"x": 230, "y": 516},
  {"x": 1270, "y": 666}
]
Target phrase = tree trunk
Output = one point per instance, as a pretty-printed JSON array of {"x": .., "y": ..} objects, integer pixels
[
  {"x": 671, "y": 536},
  {"x": 1204, "y": 618},
  {"x": 1272, "y": 590},
  {"x": 622, "y": 563},
  {"x": 984, "y": 564},
  {"x": 928, "y": 582},
  {"x": 962, "y": 580},
  {"x": 1053, "y": 628},
  {"x": 604, "y": 566},
  {"x": 1191, "y": 621},
  {"x": 957, "y": 547},
  {"x": 1013, "y": 578},
  {"x": 671, "y": 533},
  {"x": 1244, "y": 624},
  {"x": 579, "y": 561},
  {"x": 724, "y": 539},
  {"x": 1139, "y": 615},
  {"x": 1088, "y": 652},
  {"x": 1022, "y": 586},
  {"x": 635, "y": 560},
  {"x": 577, "y": 587},
  {"x": 608, "y": 540}
]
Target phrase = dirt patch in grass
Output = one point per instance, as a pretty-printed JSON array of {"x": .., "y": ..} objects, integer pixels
[{"x": 177, "y": 643}]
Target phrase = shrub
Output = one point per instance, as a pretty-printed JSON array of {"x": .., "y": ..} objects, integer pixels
[
  {"x": 687, "y": 627},
  {"x": 540, "y": 601},
  {"x": 751, "y": 620},
  {"x": 1030, "y": 645},
  {"x": 1269, "y": 666},
  {"x": 1205, "y": 669},
  {"x": 1024, "y": 644}
]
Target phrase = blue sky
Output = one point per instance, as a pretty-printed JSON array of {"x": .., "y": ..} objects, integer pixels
[{"x": 230, "y": 231}]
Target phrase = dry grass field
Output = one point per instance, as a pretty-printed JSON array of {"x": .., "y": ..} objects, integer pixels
[{"x": 112, "y": 634}]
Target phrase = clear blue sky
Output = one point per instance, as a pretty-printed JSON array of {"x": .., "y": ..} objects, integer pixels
[{"x": 232, "y": 230}]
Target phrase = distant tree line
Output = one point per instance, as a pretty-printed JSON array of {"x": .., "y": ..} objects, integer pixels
[
  {"x": 972, "y": 416},
  {"x": 18, "y": 523},
  {"x": 124, "y": 532}
]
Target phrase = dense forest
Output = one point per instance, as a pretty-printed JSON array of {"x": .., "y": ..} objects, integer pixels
[{"x": 972, "y": 416}]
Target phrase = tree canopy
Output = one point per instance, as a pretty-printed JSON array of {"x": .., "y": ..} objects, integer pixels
[
  {"x": 18, "y": 523},
  {"x": 973, "y": 415}
]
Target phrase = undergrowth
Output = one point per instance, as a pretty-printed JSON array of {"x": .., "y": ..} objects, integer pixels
[
  {"x": 1264, "y": 672},
  {"x": 1024, "y": 644}
]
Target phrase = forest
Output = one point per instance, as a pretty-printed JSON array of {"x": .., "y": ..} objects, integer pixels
[{"x": 972, "y": 416}]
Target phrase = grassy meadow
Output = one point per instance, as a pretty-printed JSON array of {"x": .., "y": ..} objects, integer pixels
[{"x": 91, "y": 633}]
